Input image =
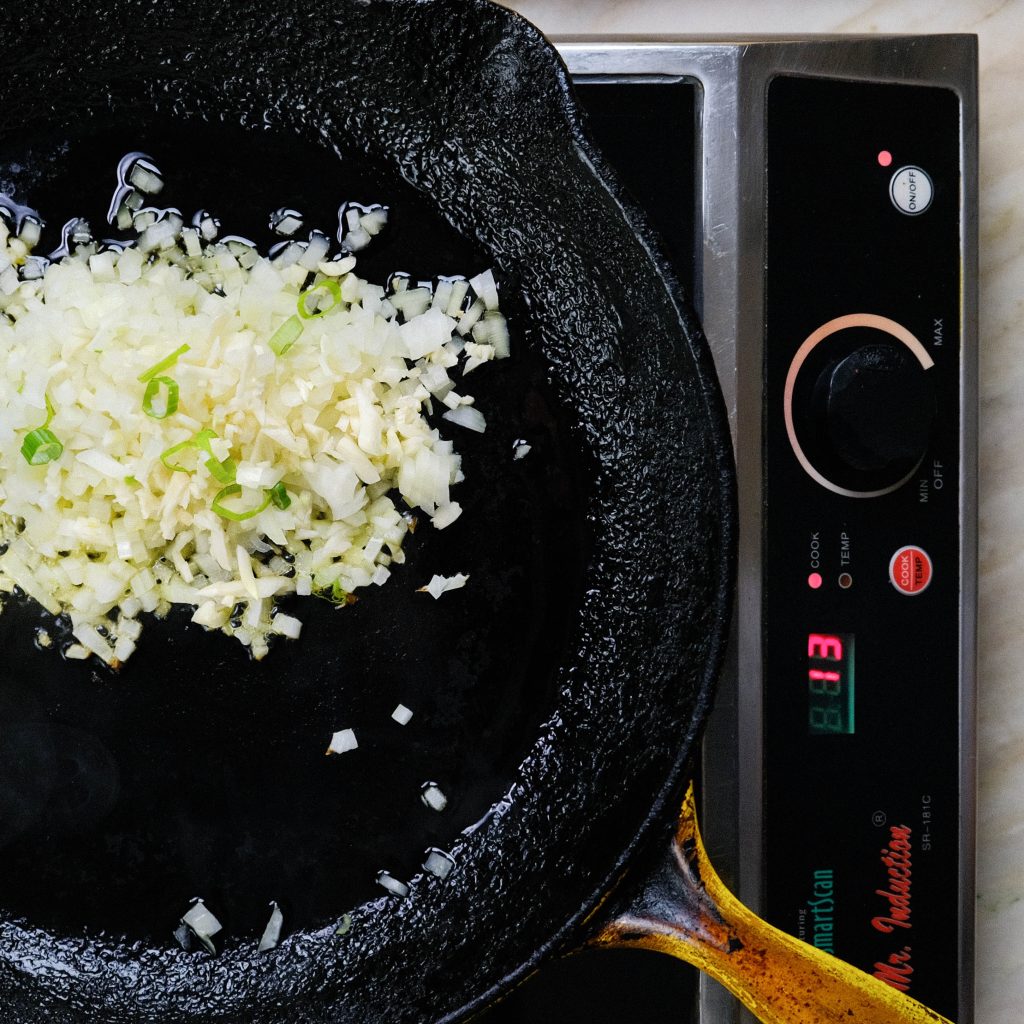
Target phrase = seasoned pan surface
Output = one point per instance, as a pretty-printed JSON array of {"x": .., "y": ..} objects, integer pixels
[{"x": 561, "y": 699}]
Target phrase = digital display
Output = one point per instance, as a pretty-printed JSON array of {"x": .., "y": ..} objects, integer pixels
[{"x": 830, "y": 683}]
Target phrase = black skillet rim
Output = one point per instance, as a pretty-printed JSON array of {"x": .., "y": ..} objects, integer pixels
[{"x": 520, "y": 81}]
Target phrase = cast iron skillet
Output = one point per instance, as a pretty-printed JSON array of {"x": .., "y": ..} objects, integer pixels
[{"x": 559, "y": 698}]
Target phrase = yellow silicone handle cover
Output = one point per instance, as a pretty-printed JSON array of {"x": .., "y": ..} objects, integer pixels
[{"x": 686, "y": 911}]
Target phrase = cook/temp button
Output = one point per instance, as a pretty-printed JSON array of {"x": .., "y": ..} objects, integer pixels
[
  {"x": 910, "y": 190},
  {"x": 910, "y": 570}
]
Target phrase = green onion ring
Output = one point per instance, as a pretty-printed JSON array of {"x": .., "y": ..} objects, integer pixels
[
  {"x": 222, "y": 472},
  {"x": 279, "y": 496},
  {"x": 164, "y": 364},
  {"x": 227, "y": 513},
  {"x": 286, "y": 335},
  {"x": 152, "y": 388},
  {"x": 176, "y": 467},
  {"x": 328, "y": 285},
  {"x": 41, "y": 446}
]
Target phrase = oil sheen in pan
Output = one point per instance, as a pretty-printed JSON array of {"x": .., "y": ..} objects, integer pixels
[{"x": 195, "y": 771}]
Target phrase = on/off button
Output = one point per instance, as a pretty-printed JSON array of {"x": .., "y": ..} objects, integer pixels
[
  {"x": 910, "y": 570},
  {"x": 911, "y": 190}
]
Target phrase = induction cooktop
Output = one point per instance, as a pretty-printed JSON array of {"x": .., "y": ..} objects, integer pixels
[{"x": 817, "y": 198}]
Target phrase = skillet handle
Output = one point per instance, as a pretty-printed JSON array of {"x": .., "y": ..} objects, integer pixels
[{"x": 686, "y": 911}]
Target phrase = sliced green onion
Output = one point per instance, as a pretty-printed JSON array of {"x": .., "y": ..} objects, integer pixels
[
  {"x": 331, "y": 287},
  {"x": 40, "y": 446},
  {"x": 164, "y": 364},
  {"x": 227, "y": 513},
  {"x": 279, "y": 496},
  {"x": 222, "y": 472},
  {"x": 176, "y": 467},
  {"x": 132, "y": 482},
  {"x": 171, "y": 403},
  {"x": 286, "y": 335}
]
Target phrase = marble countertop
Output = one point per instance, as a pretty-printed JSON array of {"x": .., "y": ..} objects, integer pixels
[{"x": 999, "y": 25}]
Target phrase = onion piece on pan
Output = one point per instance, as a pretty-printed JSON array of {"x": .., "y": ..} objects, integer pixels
[
  {"x": 432, "y": 797},
  {"x": 438, "y": 863},
  {"x": 202, "y": 924},
  {"x": 272, "y": 933},
  {"x": 343, "y": 741},
  {"x": 468, "y": 417},
  {"x": 392, "y": 884},
  {"x": 439, "y": 585}
]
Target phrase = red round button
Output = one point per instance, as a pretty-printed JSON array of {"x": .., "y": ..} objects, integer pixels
[{"x": 910, "y": 570}]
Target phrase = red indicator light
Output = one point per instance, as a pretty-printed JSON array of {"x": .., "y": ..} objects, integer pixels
[
  {"x": 814, "y": 580},
  {"x": 884, "y": 158}
]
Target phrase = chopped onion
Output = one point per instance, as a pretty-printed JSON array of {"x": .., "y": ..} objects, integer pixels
[
  {"x": 402, "y": 715},
  {"x": 286, "y": 625},
  {"x": 392, "y": 884},
  {"x": 203, "y": 924},
  {"x": 285, "y": 222},
  {"x": 446, "y": 515},
  {"x": 432, "y": 797},
  {"x": 485, "y": 288},
  {"x": 209, "y": 227},
  {"x": 190, "y": 236},
  {"x": 30, "y": 232},
  {"x": 145, "y": 178},
  {"x": 373, "y": 222},
  {"x": 316, "y": 250},
  {"x": 468, "y": 417},
  {"x": 272, "y": 933},
  {"x": 343, "y": 741},
  {"x": 8, "y": 280},
  {"x": 521, "y": 450},
  {"x": 439, "y": 585},
  {"x": 295, "y": 424},
  {"x": 438, "y": 863}
]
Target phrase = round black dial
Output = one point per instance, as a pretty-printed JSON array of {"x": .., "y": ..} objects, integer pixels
[
  {"x": 863, "y": 407},
  {"x": 876, "y": 406}
]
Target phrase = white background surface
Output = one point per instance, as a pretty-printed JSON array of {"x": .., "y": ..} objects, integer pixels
[{"x": 1000, "y": 27}]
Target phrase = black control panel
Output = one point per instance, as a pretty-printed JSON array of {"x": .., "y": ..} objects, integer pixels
[{"x": 862, "y": 526}]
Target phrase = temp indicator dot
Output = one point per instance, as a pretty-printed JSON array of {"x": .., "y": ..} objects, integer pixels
[
  {"x": 814, "y": 580},
  {"x": 845, "y": 580},
  {"x": 884, "y": 158}
]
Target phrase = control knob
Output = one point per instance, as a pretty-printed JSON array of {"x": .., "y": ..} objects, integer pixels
[
  {"x": 860, "y": 405},
  {"x": 876, "y": 406}
]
